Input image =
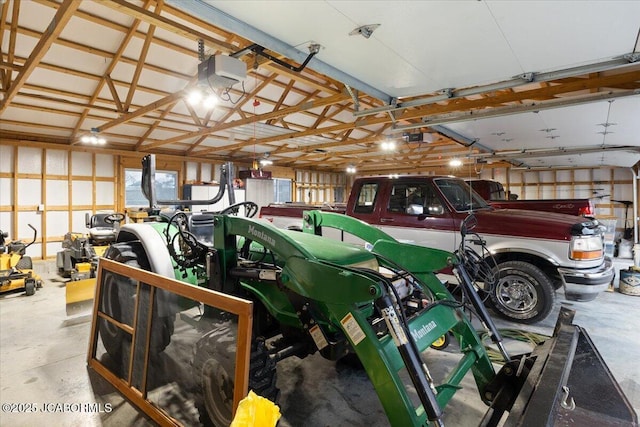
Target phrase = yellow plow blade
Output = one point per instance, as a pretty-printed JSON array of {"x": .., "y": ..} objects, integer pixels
[{"x": 79, "y": 296}]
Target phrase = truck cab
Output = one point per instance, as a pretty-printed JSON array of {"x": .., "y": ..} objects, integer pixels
[{"x": 535, "y": 253}]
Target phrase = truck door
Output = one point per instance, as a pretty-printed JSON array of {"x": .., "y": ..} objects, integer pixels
[
  {"x": 410, "y": 211},
  {"x": 415, "y": 213}
]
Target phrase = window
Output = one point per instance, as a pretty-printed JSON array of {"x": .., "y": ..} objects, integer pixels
[
  {"x": 460, "y": 195},
  {"x": 166, "y": 186},
  {"x": 415, "y": 199},
  {"x": 366, "y": 198},
  {"x": 281, "y": 190}
]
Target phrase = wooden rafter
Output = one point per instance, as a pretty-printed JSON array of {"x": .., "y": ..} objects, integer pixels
[
  {"x": 167, "y": 24},
  {"x": 4, "y": 10},
  {"x": 106, "y": 78},
  {"x": 59, "y": 21},
  {"x": 142, "y": 58},
  {"x": 154, "y": 126},
  {"x": 266, "y": 116},
  {"x": 280, "y": 101},
  {"x": 12, "y": 41},
  {"x": 105, "y": 54},
  {"x": 192, "y": 112},
  {"x": 143, "y": 110},
  {"x": 114, "y": 94}
]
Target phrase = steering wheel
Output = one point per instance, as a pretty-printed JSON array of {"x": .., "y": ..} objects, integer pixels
[
  {"x": 114, "y": 217},
  {"x": 191, "y": 251},
  {"x": 251, "y": 209}
]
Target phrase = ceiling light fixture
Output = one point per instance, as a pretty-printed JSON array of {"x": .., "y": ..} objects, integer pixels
[
  {"x": 364, "y": 30},
  {"x": 455, "y": 163},
  {"x": 199, "y": 96},
  {"x": 351, "y": 169},
  {"x": 388, "y": 145},
  {"x": 93, "y": 138}
]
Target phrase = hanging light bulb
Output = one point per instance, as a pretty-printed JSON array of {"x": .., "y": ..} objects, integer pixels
[
  {"x": 210, "y": 101},
  {"x": 194, "y": 97}
]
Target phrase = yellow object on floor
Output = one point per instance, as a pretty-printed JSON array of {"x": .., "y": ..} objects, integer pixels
[
  {"x": 256, "y": 411},
  {"x": 79, "y": 295}
]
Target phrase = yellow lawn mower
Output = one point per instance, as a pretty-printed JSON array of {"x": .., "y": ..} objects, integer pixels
[
  {"x": 78, "y": 259},
  {"x": 16, "y": 268}
]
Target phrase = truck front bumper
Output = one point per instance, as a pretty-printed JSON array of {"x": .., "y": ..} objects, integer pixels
[{"x": 586, "y": 284}]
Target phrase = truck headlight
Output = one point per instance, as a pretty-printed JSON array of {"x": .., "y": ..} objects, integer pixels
[{"x": 586, "y": 247}]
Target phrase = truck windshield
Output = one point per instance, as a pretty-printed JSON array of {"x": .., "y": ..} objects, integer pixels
[{"x": 460, "y": 195}]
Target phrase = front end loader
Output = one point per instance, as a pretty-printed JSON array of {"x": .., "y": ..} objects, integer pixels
[{"x": 379, "y": 301}]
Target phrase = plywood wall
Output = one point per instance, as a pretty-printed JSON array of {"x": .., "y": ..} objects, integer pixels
[{"x": 53, "y": 188}]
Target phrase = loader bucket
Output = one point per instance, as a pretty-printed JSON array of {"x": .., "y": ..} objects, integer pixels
[{"x": 569, "y": 384}]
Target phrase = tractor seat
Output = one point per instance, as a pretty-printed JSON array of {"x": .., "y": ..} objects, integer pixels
[{"x": 100, "y": 231}]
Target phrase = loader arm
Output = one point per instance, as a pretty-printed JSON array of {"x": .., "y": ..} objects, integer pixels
[
  {"x": 324, "y": 273},
  {"x": 564, "y": 381}
]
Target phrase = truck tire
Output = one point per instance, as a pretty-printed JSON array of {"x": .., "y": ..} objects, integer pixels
[
  {"x": 214, "y": 369},
  {"x": 118, "y": 301},
  {"x": 522, "y": 293}
]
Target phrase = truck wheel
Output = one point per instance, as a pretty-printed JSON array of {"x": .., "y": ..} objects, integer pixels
[
  {"x": 214, "y": 370},
  {"x": 118, "y": 301},
  {"x": 523, "y": 293}
]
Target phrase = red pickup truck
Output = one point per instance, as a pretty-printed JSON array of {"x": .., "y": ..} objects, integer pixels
[
  {"x": 535, "y": 253},
  {"x": 493, "y": 192}
]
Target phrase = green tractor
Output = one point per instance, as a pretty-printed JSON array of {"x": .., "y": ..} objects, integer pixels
[{"x": 378, "y": 301}]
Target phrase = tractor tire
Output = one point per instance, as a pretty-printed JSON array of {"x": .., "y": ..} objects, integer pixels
[
  {"x": 522, "y": 293},
  {"x": 25, "y": 263},
  {"x": 29, "y": 287},
  {"x": 214, "y": 369},
  {"x": 119, "y": 300}
]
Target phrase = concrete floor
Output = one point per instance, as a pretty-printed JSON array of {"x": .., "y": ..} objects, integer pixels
[{"x": 43, "y": 363}]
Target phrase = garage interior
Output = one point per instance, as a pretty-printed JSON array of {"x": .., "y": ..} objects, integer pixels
[{"x": 543, "y": 97}]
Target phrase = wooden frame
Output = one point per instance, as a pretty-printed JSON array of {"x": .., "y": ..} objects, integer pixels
[{"x": 242, "y": 308}]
